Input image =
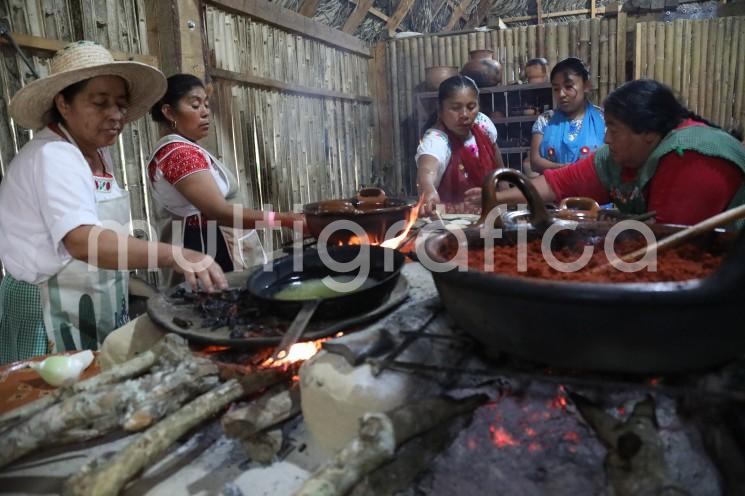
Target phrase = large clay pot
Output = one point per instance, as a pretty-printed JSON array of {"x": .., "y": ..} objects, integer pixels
[
  {"x": 437, "y": 74},
  {"x": 482, "y": 68}
]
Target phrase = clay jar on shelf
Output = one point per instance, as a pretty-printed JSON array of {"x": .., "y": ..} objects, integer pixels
[
  {"x": 482, "y": 68},
  {"x": 437, "y": 74}
]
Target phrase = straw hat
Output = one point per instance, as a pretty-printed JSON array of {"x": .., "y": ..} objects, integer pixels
[{"x": 79, "y": 61}]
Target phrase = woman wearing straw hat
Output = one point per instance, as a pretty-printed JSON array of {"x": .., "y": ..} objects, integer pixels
[{"x": 63, "y": 218}]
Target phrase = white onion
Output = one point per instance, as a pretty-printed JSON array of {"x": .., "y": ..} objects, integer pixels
[{"x": 63, "y": 370}]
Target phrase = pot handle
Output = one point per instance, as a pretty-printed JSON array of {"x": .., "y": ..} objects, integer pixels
[{"x": 538, "y": 212}]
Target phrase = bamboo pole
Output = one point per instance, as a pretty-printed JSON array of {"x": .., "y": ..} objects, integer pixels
[
  {"x": 685, "y": 70},
  {"x": 702, "y": 81},
  {"x": 532, "y": 36},
  {"x": 551, "y": 40},
  {"x": 447, "y": 41},
  {"x": 640, "y": 51},
  {"x": 503, "y": 54},
  {"x": 391, "y": 60},
  {"x": 595, "y": 57},
  {"x": 457, "y": 57},
  {"x": 708, "y": 75},
  {"x": 604, "y": 58},
  {"x": 621, "y": 48},
  {"x": 524, "y": 55},
  {"x": 678, "y": 56},
  {"x": 740, "y": 84},
  {"x": 651, "y": 49},
  {"x": 416, "y": 61},
  {"x": 421, "y": 47},
  {"x": 481, "y": 40},
  {"x": 493, "y": 37},
  {"x": 573, "y": 47},
  {"x": 612, "y": 39},
  {"x": 441, "y": 49},
  {"x": 563, "y": 41},
  {"x": 428, "y": 56},
  {"x": 408, "y": 129},
  {"x": 509, "y": 67},
  {"x": 696, "y": 40},
  {"x": 659, "y": 51},
  {"x": 584, "y": 42},
  {"x": 719, "y": 64},
  {"x": 668, "y": 61},
  {"x": 469, "y": 42},
  {"x": 730, "y": 51}
]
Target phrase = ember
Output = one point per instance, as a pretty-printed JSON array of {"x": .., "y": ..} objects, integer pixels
[{"x": 502, "y": 438}]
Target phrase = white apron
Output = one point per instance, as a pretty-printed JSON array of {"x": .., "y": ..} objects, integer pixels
[
  {"x": 244, "y": 246},
  {"x": 82, "y": 304}
]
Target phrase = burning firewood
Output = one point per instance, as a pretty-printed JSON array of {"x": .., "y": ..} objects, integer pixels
[
  {"x": 635, "y": 463},
  {"x": 379, "y": 436},
  {"x": 250, "y": 423},
  {"x": 109, "y": 477},
  {"x": 95, "y": 407}
]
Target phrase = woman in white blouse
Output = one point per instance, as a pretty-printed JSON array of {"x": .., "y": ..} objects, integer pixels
[
  {"x": 459, "y": 150},
  {"x": 64, "y": 220}
]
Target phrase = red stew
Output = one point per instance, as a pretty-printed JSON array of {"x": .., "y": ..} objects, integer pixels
[{"x": 677, "y": 264}]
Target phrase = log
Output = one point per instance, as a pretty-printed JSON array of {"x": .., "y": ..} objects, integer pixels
[
  {"x": 273, "y": 407},
  {"x": 132, "y": 368},
  {"x": 109, "y": 477},
  {"x": 134, "y": 404},
  {"x": 379, "y": 436}
]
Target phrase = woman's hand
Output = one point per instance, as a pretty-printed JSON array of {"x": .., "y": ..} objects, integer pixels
[
  {"x": 429, "y": 200},
  {"x": 472, "y": 198},
  {"x": 199, "y": 269}
]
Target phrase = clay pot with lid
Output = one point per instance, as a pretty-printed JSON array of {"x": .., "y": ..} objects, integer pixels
[
  {"x": 482, "y": 68},
  {"x": 437, "y": 74}
]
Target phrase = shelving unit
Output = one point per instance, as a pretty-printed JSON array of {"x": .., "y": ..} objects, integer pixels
[{"x": 514, "y": 129}]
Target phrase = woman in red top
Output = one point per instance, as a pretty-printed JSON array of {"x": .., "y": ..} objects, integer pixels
[
  {"x": 193, "y": 188},
  {"x": 658, "y": 156},
  {"x": 459, "y": 147}
]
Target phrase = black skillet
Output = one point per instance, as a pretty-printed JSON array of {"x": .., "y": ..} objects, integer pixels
[{"x": 384, "y": 267}]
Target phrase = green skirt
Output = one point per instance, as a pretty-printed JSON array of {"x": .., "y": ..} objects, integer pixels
[{"x": 22, "y": 331}]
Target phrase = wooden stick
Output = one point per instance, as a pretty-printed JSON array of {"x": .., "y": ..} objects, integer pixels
[
  {"x": 612, "y": 46},
  {"x": 97, "y": 479},
  {"x": 740, "y": 85},
  {"x": 640, "y": 53},
  {"x": 595, "y": 58},
  {"x": 604, "y": 59},
  {"x": 700, "y": 47},
  {"x": 621, "y": 49},
  {"x": 274, "y": 406},
  {"x": 678, "y": 56},
  {"x": 379, "y": 436},
  {"x": 669, "y": 55},
  {"x": 659, "y": 52},
  {"x": 703, "y": 227}
]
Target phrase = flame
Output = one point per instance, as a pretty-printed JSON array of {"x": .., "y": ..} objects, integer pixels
[
  {"x": 530, "y": 432},
  {"x": 654, "y": 381},
  {"x": 395, "y": 242},
  {"x": 214, "y": 349},
  {"x": 299, "y": 352},
  {"x": 502, "y": 438}
]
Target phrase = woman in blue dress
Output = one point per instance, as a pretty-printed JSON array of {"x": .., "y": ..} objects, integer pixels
[{"x": 575, "y": 128}]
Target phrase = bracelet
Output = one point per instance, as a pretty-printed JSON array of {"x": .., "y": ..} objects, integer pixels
[{"x": 270, "y": 219}]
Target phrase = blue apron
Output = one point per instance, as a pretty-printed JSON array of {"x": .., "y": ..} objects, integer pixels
[{"x": 556, "y": 145}]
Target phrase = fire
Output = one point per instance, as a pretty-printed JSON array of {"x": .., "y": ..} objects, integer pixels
[
  {"x": 299, "y": 352},
  {"x": 395, "y": 242},
  {"x": 502, "y": 438}
]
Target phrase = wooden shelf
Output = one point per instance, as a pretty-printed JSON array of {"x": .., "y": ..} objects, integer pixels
[
  {"x": 508, "y": 88},
  {"x": 522, "y": 118},
  {"x": 515, "y": 149}
]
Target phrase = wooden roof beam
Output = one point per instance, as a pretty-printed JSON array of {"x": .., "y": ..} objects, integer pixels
[
  {"x": 457, "y": 14},
  {"x": 403, "y": 9},
  {"x": 357, "y": 16},
  {"x": 308, "y": 7}
]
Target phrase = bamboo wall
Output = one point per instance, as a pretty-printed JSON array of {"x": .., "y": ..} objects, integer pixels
[
  {"x": 595, "y": 41},
  {"x": 117, "y": 25},
  {"x": 703, "y": 61},
  {"x": 289, "y": 147}
]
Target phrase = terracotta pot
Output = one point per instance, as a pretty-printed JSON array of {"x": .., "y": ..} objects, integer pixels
[
  {"x": 484, "y": 71},
  {"x": 437, "y": 74},
  {"x": 482, "y": 53}
]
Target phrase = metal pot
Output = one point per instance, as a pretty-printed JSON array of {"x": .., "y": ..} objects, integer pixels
[
  {"x": 640, "y": 327},
  {"x": 371, "y": 210}
]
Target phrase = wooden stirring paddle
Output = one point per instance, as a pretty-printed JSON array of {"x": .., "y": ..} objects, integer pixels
[{"x": 682, "y": 236}]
